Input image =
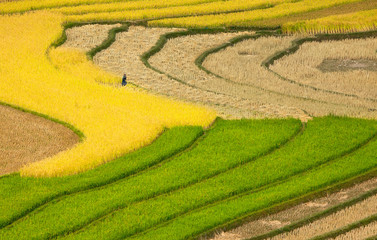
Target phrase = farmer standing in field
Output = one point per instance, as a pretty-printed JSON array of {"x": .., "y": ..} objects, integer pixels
[{"x": 124, "y": 80}]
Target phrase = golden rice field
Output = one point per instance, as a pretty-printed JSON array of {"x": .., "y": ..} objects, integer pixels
[
  {"x": 241, "y": 119},
  {"x": 92, "y": 108}
]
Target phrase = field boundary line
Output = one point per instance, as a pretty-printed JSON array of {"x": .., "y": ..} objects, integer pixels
[
  {"x": 315, "y": 217},
  {"x": 347, "y": 228},
  {"x": 295, "y": 46},
  {"x": 200, "y": 60},
  {"x": 265, "y": 211},
  {"x": 172, "y": 190}
]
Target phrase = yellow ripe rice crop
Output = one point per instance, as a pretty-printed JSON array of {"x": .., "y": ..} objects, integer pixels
[
  {"x": 22, "y": 6},
  {"x": 246, "y": 18},
  {"x": 114, "y": 120},
  {"x": 76, "y": 62},
  {"x": 205, "y": 8},
  {"x": 352, "y": 22},
  {"x": 131, "y": 5}
]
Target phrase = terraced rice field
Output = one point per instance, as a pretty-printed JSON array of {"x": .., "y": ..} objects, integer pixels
[{"x": 291, "y": 155}]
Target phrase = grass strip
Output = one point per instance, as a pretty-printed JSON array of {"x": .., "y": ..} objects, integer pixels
[
  {"x": 235, "y": 210},
  {"x": 143, "y": 215},
  {"x": 348, "y": 228},
  {"x": 22, "y": 195},
  {"x": 315, "y": 217},
  {"x": 296, "y": 44},
  {"x": 107, "y": 42},
  {"x": 228, "y": 145}
]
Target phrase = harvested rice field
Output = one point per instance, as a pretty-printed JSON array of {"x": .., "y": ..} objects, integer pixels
[
  {"x": 242, "y": 64},
  {"x": 337, "y": 220},
  {"x": 124, "y": 56},
  {"x": 365, "y": 232},
  {"x": 237, "y": 120},
  {"x": 299, "y": 213},
  {"x": 357, "y": 80}
]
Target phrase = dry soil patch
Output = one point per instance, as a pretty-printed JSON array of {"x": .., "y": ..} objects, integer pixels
[
  {"x": 26, "y": 138},
  {"x": 344, "y": 65}
]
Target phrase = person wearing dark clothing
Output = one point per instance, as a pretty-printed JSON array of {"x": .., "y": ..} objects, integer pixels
[{"x": 124, "y": 80}]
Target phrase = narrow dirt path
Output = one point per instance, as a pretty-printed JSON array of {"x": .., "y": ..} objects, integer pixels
[{"x": 26, "y": 138}]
